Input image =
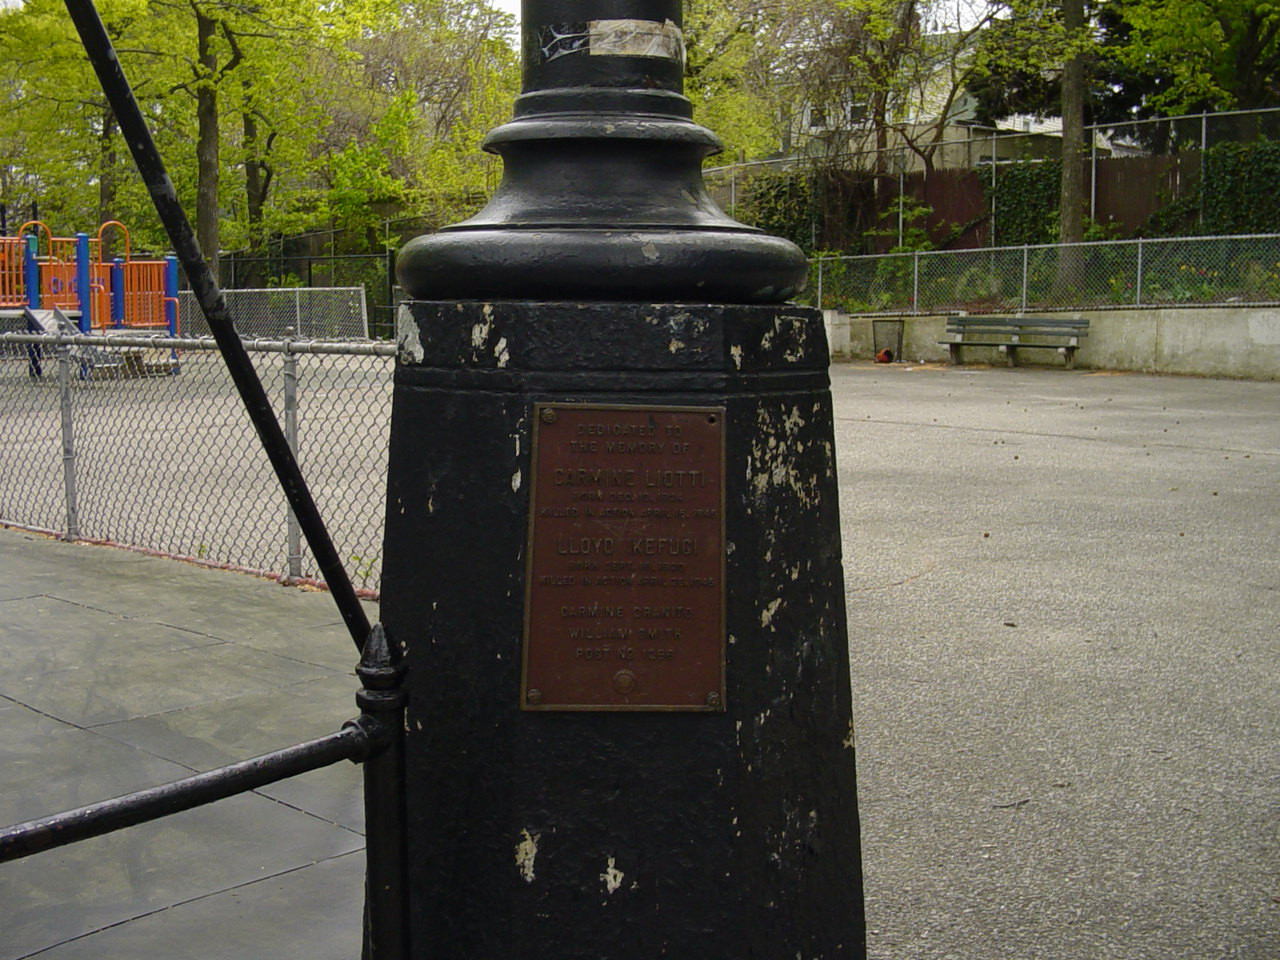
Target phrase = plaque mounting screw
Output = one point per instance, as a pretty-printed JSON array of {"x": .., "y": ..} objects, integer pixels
[
  {"x": 534, "y": 696},
  {"x": 549, "y": 415},
  {"x": 624, "y": 681},
  {"x": 713, "y": 699}
]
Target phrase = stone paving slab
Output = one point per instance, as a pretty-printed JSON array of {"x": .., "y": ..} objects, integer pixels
[{"x": 120, "y": 672}]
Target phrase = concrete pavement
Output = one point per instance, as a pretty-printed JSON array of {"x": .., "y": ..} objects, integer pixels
[
  {"x": 1064, "y": 603},
  {"x": 1064, "y": 611}
]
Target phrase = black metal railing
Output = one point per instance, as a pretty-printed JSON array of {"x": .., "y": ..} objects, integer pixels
[{"x": 373, "y": 739}]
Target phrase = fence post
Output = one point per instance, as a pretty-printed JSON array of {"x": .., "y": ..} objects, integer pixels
[
  {"x": 1025, "y": 250},
  {"x": 293, "y": 530},
  {"x": 992, "y": 231},
  {"x": 1093, "y": 173},
  {"x": 915, "y": 283},
  {"x": 1138, "y": 280},
  {"x": 819, "y": 303},
  {"x": 68, "y": 442},
  {"x": 1204, "y": 147}
]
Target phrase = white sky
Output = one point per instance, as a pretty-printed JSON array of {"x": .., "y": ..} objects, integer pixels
[{"x": 510, "y": 6}]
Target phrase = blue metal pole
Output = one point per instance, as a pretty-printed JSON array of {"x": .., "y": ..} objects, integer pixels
[
  {"x": 82, "y": 281},
  {"x": 171, "y": 293},
  {"x": 117, "y": 292},
  {"x": 31, "y": 271}
]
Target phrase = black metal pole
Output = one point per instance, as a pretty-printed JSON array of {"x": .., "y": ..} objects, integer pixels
[
  {"x": 382, "y": 699},
  {"x": 150, "y": 165},
  {"x": 355, "y": 741}
]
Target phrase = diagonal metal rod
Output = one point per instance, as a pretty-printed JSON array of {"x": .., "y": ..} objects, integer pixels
[{"x": 147, "y": 158}]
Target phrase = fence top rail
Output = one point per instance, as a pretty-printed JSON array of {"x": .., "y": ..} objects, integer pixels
[
  {"x": 987, "y": 135},
  {"x": 298, "y": 289},
  {"x": 376, "y": 348},
  {"x": 1137, "y": 241}
]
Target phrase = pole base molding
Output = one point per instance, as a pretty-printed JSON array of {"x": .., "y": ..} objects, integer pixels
[{"x": 613, "y": 566}]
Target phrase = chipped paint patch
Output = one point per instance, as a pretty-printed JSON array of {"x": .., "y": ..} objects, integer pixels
[
  {"x": 650, "y": 251},
  {"x": 736, "y": 353},
  {"x": 515, "y": 481},
  {"x": 847, "y": 742},
  {"x": 407, "y": 339},
  {"x": 612, "y": 877},
  {"x": 480, "y": 331},
  {"x": 767, "y": 616},
  {"x": 676, "y": 346},
  {"x": 526, "y": 853},
  {"x": 500, "y": 352}
]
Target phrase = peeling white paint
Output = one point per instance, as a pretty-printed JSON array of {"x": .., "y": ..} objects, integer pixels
[
  {"x": 767, "y": 616},
  {"x": 526, "y": 853},
  {"x": 407, "y": 338},
  {"x": 515, "y": 481},
  {"x": 500, "y": 352},
  {"x": 612, "y": 877}
]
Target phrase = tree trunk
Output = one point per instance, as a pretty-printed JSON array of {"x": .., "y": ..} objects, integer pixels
[
  {"x": 207, "y": 141},
  {"x": 107, "y": 177},
  {"x": 257, "y": 183},
  {"x": 1071, "y": 202}
]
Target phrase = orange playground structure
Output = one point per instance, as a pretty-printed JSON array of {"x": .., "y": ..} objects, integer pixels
[{"x": 41, "y": 271}]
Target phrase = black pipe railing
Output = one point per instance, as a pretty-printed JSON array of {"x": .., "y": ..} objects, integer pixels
[
  {"x": 106, "y": 64},
  {"x": 353, "y": 742}
]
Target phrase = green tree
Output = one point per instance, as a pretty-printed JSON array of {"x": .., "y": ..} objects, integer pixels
[{"x": 1215, "y": 54}]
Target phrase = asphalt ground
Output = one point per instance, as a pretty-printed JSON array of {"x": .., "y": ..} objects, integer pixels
[{"x": 1063, "y": 607}]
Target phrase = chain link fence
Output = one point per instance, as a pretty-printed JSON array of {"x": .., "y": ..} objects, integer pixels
[
  {"x": 144, "y": 442},
  {"x": 316, "y": 313},
  {"x": 1193, "y": 271}
]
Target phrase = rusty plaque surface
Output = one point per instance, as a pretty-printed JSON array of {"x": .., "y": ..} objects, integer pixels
[{"x": 624, "y": 605}]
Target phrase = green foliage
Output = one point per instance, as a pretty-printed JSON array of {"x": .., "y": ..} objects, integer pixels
[
  {"x": 328, "y": 115},
  {"x": 1026, "y": 202},
  {"x": 1209, "y": 54},
  {"x": 782, "y": 203},
  {"x": 913, "y": 235},
  {"x": 1238, "y": 184}
]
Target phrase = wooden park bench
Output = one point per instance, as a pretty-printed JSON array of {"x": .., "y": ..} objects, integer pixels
[{"x": 1011, "y": 334}]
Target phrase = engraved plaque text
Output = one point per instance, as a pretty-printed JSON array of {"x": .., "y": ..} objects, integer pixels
[{"x": 625, "y": 582}]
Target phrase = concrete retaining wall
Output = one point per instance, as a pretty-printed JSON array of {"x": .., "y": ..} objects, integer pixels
[{"x": 1205, "y": 341}]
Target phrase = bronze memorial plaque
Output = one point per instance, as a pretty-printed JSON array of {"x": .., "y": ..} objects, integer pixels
[{"x": 624, "y": 604}]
